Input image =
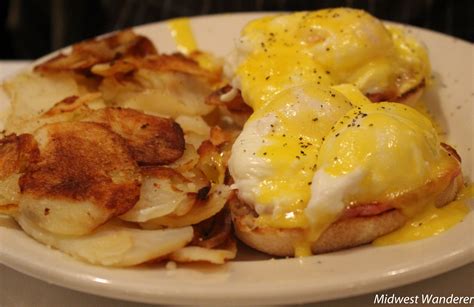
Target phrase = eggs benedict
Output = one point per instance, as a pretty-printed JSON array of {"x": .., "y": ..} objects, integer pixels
[
  {"x": 316, "y": 172},
  {"x": 327, "y": 47}
]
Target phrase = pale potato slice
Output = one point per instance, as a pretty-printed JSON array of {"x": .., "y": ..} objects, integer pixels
[
  {"x": 165, "y": 93},
  {"x": 72, "y": 108},
  {"x": 163, "y": 191},
  {"x": 194, "y": 124},
  {"x": 157, "y": 199},
  {"x": 200, "y": 211},
  {"x": 31, "y": 94},
  {"x": 113, "y": 244},
  {"x": 188, "y": 160},
  {"x": 195, "y": 139},
  {"x": 70, "y": 104},
  {"x": 196, "y": 130}
]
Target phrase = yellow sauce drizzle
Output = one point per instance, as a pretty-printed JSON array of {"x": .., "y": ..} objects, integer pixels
[
  {"x": 431, "y": 221},
  {"x": 183, "y": 35},
  {"x": 303, "y": 249},
  {"x": 185, "y": 43}
]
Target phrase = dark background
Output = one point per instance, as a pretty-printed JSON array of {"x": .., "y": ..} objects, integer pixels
[{"x": 32, "y": 28}]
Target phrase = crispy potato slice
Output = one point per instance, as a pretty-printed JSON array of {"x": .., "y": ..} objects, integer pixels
[
  {"x": 16, "y": 153},
  {"x": 159, "y": 63},
  {"x": 152, "y": 140},
  {"x": 85, "y": 176},
  {"x": 218, "y": 255},
  {"x": 9, "y": 209},
  {"x": 88, "y": 53}
]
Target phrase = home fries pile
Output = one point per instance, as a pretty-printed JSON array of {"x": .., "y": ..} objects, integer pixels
[{"x": 116, "y": 154}]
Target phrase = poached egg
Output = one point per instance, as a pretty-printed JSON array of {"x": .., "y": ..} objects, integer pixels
[
  {"x": 326, "y": 47},
  {"x": 309, "y": 153}
]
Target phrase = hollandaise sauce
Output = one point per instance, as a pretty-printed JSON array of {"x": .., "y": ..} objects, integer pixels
[
  {"x": 432, "y": 221},
  {"x": 186, "y": 44},
  {"x": 281, "y": 51},
  {"x": 183, "y": 35}
]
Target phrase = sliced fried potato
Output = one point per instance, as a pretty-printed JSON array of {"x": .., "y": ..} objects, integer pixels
[
  {"x": 231, "y": 105},
  {"x": 16, "y": 153},
  {"x": 31, "y": 94},
  {"x": 72, "y": 108},
  {"x": 214, "y": 231},
  {"x": 196, "y": 253},
  {"x": 88, "y": 53},
  {"x": 160, "y": 93},
  {"x": 188, "y": 160},
  {"x": 212, "y": 162},
  {"x": 201, "y": 210},
  {"x": 73, "y": 103},
  {"x": 9, "y": 194},
  {"x": 194, "y": 124},
  {"x": 8, "y": 210},
  {"x": 158, "y": 63},
  {"x": 85, "y": 175},
  {"x": 194, "y": 139},
  {"x": 152, "y": 140},
  {"x": 113, "y": 244},
  {"x": 196, "y": 130},
  {"x": 163, "y": 192},
  {"x": 169, "y": 85}
]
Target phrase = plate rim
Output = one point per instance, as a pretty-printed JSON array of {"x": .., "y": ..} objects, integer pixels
[{"x": 81, "y": 282}]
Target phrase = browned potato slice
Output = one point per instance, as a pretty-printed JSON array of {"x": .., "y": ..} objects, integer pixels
[
  {"x": 152, "y": 140},
  {"x": 88, "y": 53},
  {"x": 16, "y": 153},
  {"x": 217, "y": 255},
  {"x": 85, "y": 175}
]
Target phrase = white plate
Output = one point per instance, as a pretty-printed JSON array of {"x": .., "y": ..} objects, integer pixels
[{"x": 252, "y": 280}]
